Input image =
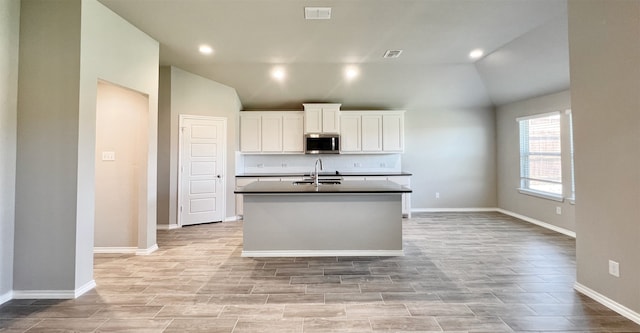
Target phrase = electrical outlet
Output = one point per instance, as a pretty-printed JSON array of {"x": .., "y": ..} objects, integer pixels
[
  {"x": 614, "y": 268},
  {"x": 437, "y": 195},
  {"x": 559, "y": 210}
]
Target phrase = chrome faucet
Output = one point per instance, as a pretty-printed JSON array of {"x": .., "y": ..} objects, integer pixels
[{"x": 316, "y": 175}]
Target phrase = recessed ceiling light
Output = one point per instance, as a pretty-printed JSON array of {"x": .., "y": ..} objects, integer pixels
[
  {"x": 476, "y": 54},
  {"x": 351, "y": 72},
  {"x": 278, "y": 73},
  {"x": 392, "y": 54},
  {"x": 205, "y": 49}
]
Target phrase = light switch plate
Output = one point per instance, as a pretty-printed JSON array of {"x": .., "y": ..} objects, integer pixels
[{"x": 108, "y": 155}]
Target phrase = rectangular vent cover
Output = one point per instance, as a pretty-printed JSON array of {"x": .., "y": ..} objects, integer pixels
[
  {"x": 392, "y": 53},
  {"x": 317, "y": 13}
]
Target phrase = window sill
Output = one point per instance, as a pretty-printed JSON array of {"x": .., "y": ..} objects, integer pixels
[{"x": 542, "y": 195}]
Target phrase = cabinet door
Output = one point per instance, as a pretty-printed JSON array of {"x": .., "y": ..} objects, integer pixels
[
  {"x": 250, "y": 133},
  {"x": 350, "y": 133},
  {"x": 313, "y": 120},
  {"x": 293, "y": 133},
  {"x": 371, "y": 133},
  {"x": 272, "y": 133},
  {"x": 330, "y": 120},
  {"x": 393, "y": 132}
]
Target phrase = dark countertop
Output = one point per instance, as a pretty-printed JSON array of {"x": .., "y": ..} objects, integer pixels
[
  {"x": 347, "y": 186},
  {"x": 345, "y": 174}
]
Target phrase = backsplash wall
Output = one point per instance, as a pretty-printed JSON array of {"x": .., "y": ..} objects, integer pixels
[{"x": 257, "y": 164}]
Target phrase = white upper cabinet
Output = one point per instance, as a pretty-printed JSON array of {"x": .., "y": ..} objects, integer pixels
[
  {"x": 350, "y": 132},
  {"x": 372, "y": 132},
  {"x": 393, "y": 131},
  {"x": 293, "y": 132},
  {"x": 321, "y": 118},
  {"x": 271, "y": 132},
  {"x": 251, "y": 132}
]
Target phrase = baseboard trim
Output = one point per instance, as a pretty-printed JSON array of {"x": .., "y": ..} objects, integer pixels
[
  {"x": 563, "y": 231},
  {"x": 608, "y": 302},
  {"x": 82, "y": 290},
  {"x": 116, "y": 250},
  {"x": 167, "y": 226},
  {"x": 54, "y": 294},
  {"x": 233, "y": 218},
  {"x": 147, "y": 251},
  {"x": 126, "y": 250},
  {"x": 6, "y": 297},
  {"x": 453, "y": 210},
  {"x": 325, "y": 253}
]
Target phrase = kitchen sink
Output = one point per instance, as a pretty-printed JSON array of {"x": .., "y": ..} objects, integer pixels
[{"x": 320, "y": 182}]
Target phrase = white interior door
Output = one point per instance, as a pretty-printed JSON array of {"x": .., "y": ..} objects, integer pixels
[{"x": 203, "y": 144}]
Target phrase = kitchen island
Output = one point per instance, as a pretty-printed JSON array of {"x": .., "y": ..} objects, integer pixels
[{"x": 353, "y": 218}]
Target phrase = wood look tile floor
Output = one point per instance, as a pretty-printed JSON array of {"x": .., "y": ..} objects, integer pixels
[{"x": 462, "y": 272}]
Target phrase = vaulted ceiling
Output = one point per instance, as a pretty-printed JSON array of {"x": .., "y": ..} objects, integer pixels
[{"x": 525, "y": 44}]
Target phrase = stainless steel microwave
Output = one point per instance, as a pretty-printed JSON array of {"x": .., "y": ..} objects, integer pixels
[{"x": 322, "y": 144}]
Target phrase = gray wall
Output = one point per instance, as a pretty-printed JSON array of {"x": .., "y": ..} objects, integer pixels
[
  {"x": 605, "y": 85},
  {"x": 508, "y": 139},
  {"x": 65, "y": 48},
  {"x": 451, "y": 151},
  {"x": 9, "y": 33},
  {"x": 48, "y": 95},
  {"x": 192, "y": 95}
]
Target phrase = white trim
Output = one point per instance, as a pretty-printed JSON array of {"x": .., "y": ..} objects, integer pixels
[
  {"x": 324, "y": 253},
  {"x": 542, "y": 195},
  {"x": 87, "y": 286},
  {"x": 539, "y": 115},
  {"x": 54, "y": 294},
  {"x": 123, "y": 250},
  {"x": 233, "y": 218},
  {"x": 168, "y": 226},
  {"x": 609, "y": 303},
  {"x": 452, "y": 210},
  {"x": 6, "y": 297},
  {"x": 147, "y": 251},
  {"x": 538, "y": 223},
  {"x": 126, "y": 250}
]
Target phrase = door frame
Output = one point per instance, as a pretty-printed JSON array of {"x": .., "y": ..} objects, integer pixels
[{"x": 183, "y": 117}]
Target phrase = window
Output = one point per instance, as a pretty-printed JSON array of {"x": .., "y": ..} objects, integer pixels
[
  {"x": 573, "y": 175},
  {"x": 541, "y": 155}
]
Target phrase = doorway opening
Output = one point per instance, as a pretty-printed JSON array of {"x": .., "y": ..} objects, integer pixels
[{"x": 122, "y": 146}]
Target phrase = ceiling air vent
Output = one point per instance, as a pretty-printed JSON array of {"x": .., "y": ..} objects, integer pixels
[
  {"x": 392, "y": 54},
  {"x": 317, "y": 13}
]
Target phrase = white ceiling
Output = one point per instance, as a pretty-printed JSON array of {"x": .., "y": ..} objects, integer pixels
[{"x": 525, "y": 42}]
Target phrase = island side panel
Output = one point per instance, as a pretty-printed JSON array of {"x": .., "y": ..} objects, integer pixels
[{"x": 316, "y": 224}]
